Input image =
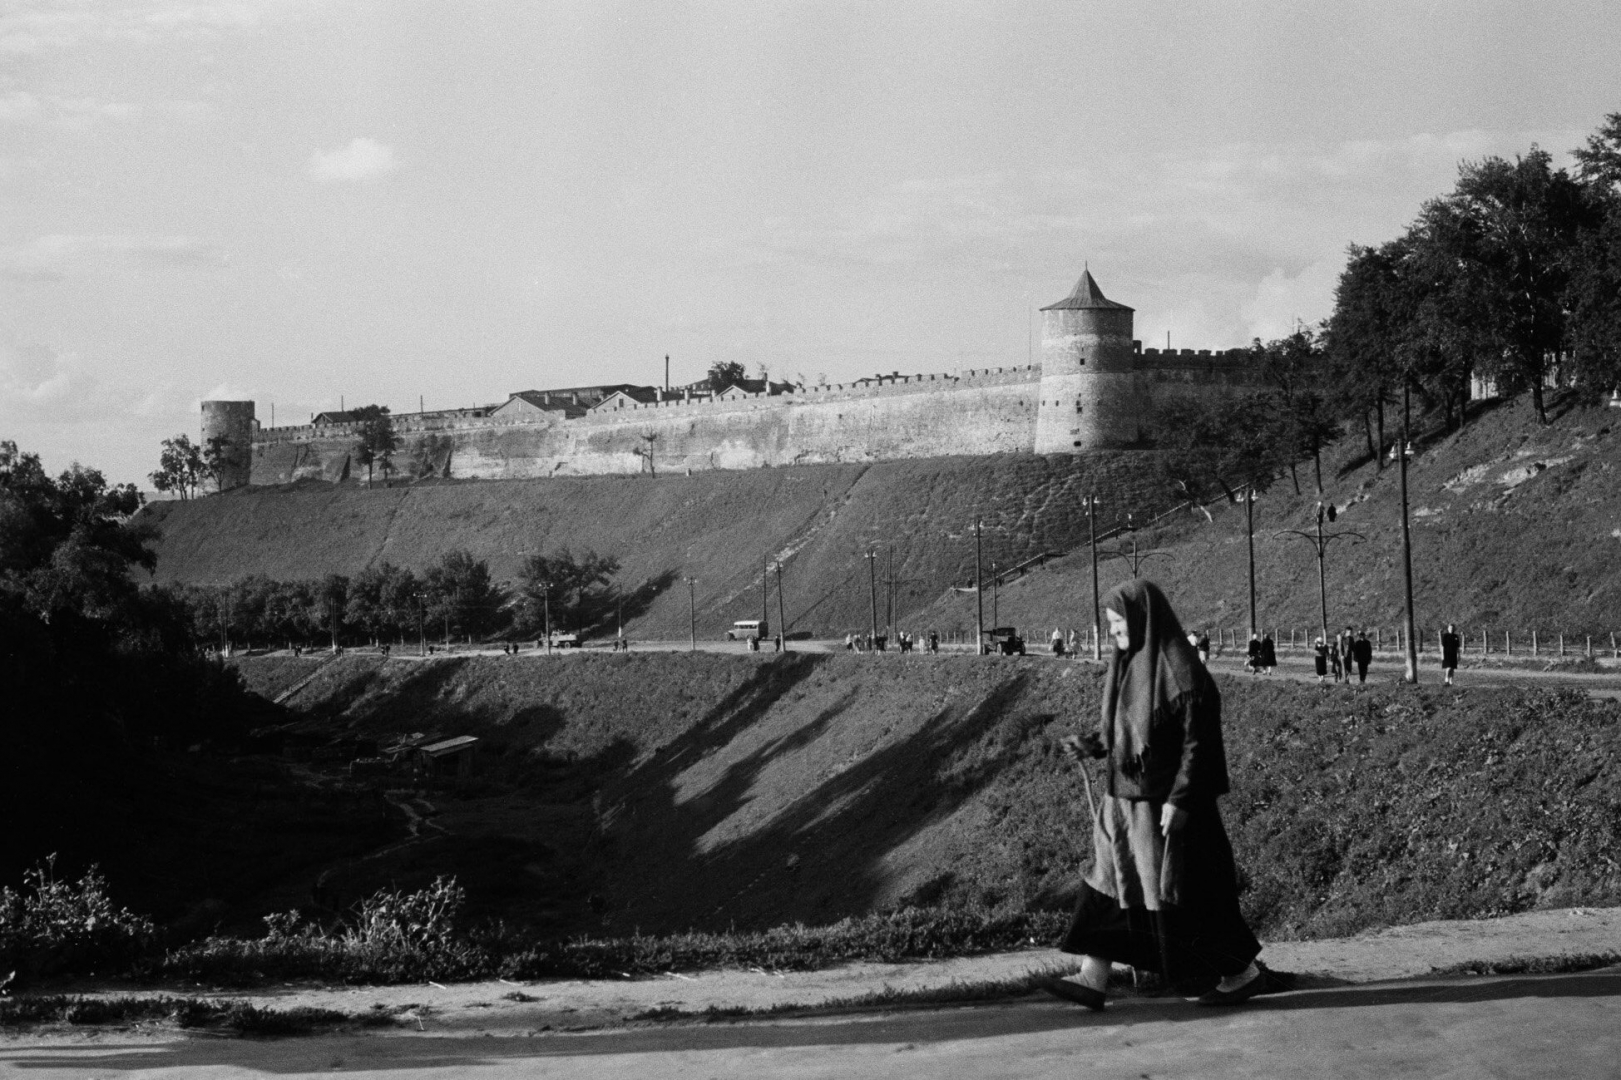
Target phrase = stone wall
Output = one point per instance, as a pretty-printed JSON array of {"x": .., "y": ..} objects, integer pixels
[
  {"x": 987, "y": 411},
  {"x": 978, "y": 411}
]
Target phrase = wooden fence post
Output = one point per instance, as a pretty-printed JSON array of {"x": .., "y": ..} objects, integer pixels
[
  {"x": 1508, "y": 646},
  {"x": 1535, "y": 648}
]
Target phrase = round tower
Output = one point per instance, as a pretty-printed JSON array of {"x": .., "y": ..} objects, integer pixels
[
  {"x": 231, "y": 422},
  {"x": 1091, "y": 397}
]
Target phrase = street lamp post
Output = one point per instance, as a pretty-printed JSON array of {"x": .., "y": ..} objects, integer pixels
[
  {"x": 1320, "y": 541},
  {"x": 1249, "y": 532},
  {"x": 872, "y": 591},
  {"x": 979, "y": 595},
  {"x": 1090, "y": 502},
  {"x": 782, "y": 618},
  {"x": 692, "y": 612},
  {"x": 1411, "y": 674}
]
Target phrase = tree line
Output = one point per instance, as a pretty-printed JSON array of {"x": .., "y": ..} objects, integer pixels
[
  {"x": 1514, "y": 276},
  {"x": 456, "y": 597}
]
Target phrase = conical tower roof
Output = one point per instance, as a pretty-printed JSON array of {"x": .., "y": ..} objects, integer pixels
[{"x": 1087, "y": 296}]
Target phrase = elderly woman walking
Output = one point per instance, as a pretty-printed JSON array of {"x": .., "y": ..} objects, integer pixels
[{"x": 1162, "y": 894}]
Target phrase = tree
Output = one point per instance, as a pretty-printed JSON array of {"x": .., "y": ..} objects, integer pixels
[
  {"x": 1598, "y": 164},
  {"x": 381, "y": 600},
  {"x": 377, "y": 439},
  {"x": 1500, "y": 245},
  {"x": 219, "y": 456},
  {"x": 1296, "y": 366},
  {"x": 180, "y": 467},
  {"x": 1593, "y": 294},
  {"x": 332, "y": 599},
  {"x": 67, "y": 545},
  {"x": 724, "y": 373},
  {"x": 461, "y": 595},
  {"x": 579, "y": 590},
  {"x": 1362, "y": 336}
]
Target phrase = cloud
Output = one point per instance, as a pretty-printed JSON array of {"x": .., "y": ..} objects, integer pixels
[
  {"x": 63, "y": 24},
  {"x": 362, "y": 159},
  {"x": 22, "y": 107},
  {"x": 38, "y": 386},
  {"x": 18, "y": 105},
  {"x": 58, "y": 255},
  {"x": 1280, "y": 299}
]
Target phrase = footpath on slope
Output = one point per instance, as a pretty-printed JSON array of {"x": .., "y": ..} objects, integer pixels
[{"x": 1574, "y": 936}]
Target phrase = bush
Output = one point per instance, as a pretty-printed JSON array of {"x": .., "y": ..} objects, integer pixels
[
  {"x": 67, "y": 927},
  {"x": 394, "y": 937}
]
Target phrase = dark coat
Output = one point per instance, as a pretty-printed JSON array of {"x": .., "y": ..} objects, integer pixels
[
  {"x": 1269, "y": 652},
  {"x": 1185, "y": 760},
  {"x": 1362, "y": 651},
  {"x": 1449, "y": 650}
]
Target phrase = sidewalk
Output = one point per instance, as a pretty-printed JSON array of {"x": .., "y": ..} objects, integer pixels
[{"x": 500, "y": 1008}]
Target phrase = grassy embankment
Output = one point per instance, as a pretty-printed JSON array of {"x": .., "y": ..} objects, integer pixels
[
  {"x": 647, "y": 812},
  {"x": 1516, "y": 527},
  {"x": 665, "y": 793},
  {"x": 715, "y": 526}
]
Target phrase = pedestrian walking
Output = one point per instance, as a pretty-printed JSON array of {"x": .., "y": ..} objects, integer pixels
[
  {"x": 934, "y": 641},
  {"x": 1321, "y": 658},
  {"x": 1057, "y": 642},
  {"x": 1162, "y": 894},
  {"x": 1204, "y": 648},
  {"x": 1269, "y": 654},
  {"x": 1345, "y": 642},
  {"x": 1252, "y": 662},
  {"x": 1450, "y": 646},
  {"x": 1362, "y": 654}
]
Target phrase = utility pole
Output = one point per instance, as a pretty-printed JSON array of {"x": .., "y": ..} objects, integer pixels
[
  {"x": 889, "y": 596},
  {"x": 872, "y": 589},
  {"x": 1091, "y": 504},
  {"x": 782, "y": 618},
  {"x": 1411, "y": 675},
  {"x": 1249, "y": 530},
  {"x": 996, "y": 596},
  {"x": 692, "y": 612},
  {"x": 979, "y": 595},
  {"x": 765, "y": 597},
  {"x": 666, "y": 373},
  {"x": 546, "y": 601}
]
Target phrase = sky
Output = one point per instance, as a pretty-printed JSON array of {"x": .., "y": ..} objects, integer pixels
[{"x": 302, "y": 203}]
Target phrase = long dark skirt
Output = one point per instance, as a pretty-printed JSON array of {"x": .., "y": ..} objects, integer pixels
[{"x": 1203, "y": 938}]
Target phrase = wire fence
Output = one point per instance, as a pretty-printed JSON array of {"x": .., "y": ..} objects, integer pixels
[{"x": 1478, "y": 643}]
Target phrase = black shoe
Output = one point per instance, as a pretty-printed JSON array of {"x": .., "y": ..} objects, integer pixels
[{"x": 1072, "y": 991}]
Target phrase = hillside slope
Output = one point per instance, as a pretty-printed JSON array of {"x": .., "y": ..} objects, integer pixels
[
  {"x": 668, "y": 791},
  {"x": 714, "y": 526},
  {"x": 1516, "y": 526}
]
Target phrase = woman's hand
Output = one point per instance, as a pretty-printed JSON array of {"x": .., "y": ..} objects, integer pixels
[
  {"x": 1081, "y": 747},
  {"x": 1171, "y": 818}
]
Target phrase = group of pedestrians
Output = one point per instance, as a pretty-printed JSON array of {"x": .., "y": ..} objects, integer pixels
[
  {"x": 1349, "y": 650},
  {"x": 1263, "y": 655},
  {"x": 905, "y": 641}
]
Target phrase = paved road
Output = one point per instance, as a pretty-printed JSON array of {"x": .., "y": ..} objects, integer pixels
[
  {"x": 1563, "y": 1026},
  {"x": 1386, "y": 667}
]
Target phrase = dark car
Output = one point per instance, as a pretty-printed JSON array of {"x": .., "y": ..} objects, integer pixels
[{"x": 1004, "y": 640}]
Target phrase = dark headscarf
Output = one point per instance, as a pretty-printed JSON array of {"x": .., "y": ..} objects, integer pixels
[{"x": 1150, "y": 677}]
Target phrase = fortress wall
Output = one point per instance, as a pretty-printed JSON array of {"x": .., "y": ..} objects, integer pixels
[{"x": 977, "y": 413}]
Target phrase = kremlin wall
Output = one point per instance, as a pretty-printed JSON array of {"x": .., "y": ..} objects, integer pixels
[{"x": 1095, "y": 389}]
